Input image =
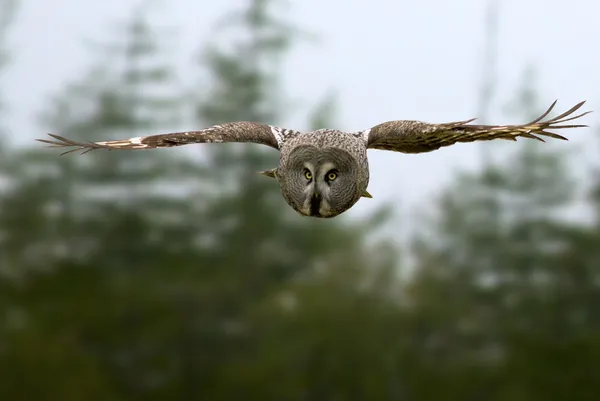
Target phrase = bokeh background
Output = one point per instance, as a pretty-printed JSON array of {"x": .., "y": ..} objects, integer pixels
[{"x": 473, "y": 274}]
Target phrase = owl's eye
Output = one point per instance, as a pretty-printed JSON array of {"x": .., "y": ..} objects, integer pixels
[
  {"x": 307, "y": 174},
  {"x": 332, "y": 175}
]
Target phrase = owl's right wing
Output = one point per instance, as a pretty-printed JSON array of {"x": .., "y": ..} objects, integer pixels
[
  {"x": 418, "y": 137},
  {"x": 240, "y": 131}
]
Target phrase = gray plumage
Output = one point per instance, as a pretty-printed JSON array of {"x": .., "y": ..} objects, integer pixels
[{"x": 325, "y": 172}]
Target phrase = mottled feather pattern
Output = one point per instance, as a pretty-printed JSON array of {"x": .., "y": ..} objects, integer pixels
[
  {"x": 240, "y": 131},
  {"x": 322, "y": 138},
  {"x": 405, "y": 136},
  {"x": 284, "y": 134},
  {"x": 417, "y": 137},
  {"x": 325, "y": 150},
  {"x": 341, "y": 151}
]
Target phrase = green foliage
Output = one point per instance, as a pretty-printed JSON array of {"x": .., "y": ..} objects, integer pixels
[
  {"x": 508, "y": 288},
  {"x": 152, "y": 273},
  {"x": 182, "y": 274}
]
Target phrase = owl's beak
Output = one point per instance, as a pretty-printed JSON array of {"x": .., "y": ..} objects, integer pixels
[
  {"x": 269, "y": 173},
  {"x": 315, "y": 204}
]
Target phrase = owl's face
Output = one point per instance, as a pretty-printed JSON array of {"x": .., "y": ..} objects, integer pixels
[{"x": 320, "y": 182}]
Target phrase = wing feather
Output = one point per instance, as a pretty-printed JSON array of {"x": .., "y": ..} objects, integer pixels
[
  {"x": 240, "y": 131},
  {"x": 418, "y": 137}
]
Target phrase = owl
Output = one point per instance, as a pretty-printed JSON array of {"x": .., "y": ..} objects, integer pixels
[{"x": 323, "y": 173}]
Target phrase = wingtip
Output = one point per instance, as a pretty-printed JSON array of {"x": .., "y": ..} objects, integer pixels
[
  {"x": 55, "y": 136},
  {"x": 41, "y": 139}
]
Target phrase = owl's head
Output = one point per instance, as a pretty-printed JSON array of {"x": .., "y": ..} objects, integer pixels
[{"x": 321, "y": 182}]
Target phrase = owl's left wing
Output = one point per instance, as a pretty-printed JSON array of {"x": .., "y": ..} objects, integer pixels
[
  {"x": 418, "y": 137},
  {"x": 240, "y": 131}
]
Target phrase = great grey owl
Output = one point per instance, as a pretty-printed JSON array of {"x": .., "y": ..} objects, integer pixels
[{"x": 323, "y": 173}]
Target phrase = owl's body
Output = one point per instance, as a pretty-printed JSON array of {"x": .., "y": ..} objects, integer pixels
[{"x": 323, "y": 173}]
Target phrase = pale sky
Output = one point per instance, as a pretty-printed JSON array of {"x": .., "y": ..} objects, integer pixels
[{"x": 388, "y": 59}]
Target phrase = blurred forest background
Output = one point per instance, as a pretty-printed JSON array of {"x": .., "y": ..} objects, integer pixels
[{"x": 166, "y": 275}]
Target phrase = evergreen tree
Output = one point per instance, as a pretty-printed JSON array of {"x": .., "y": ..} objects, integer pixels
[
  {"x": 243, "y": 273},
  {"x": 7, "y": 12},
  {"x": 245, "y": 87},
  {"x": 491, "y": 296},
  {"x": 8, "y": 9},
  {"x": 83, "y": 192},
  {"x": 87, "y": 240},
  {"x": 594, "y": 191},
  {"x": 148, "y": 272}
]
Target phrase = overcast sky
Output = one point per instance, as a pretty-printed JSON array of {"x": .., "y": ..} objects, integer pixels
[{"x": 388, "y": 59}]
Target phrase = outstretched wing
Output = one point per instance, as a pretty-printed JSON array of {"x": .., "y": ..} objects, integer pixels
[
  {"x": 240, "y": 131},
  {"x": 419, "y": 137}
]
